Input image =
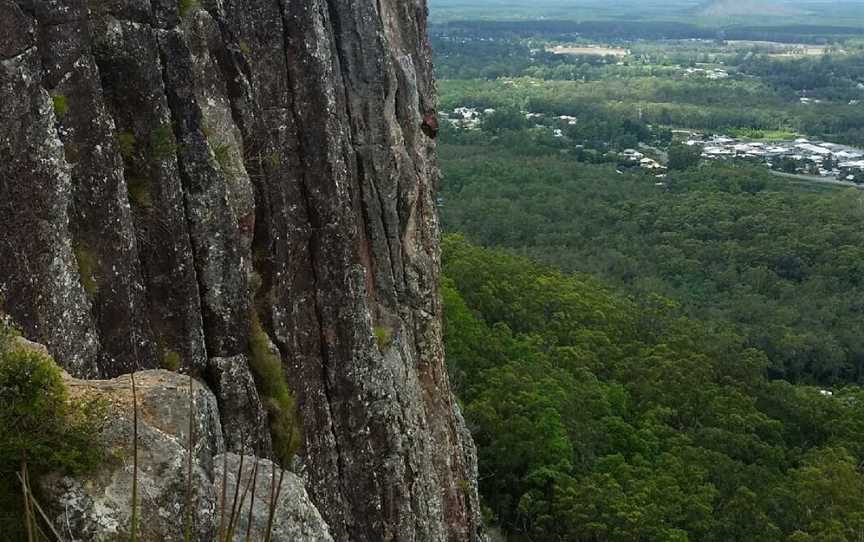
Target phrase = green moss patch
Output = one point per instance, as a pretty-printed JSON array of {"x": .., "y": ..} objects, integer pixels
[
  {"x": 383, "y": 337},
  {"x": 61, "y": 105},
  {"x": 272, "y": 385},
  {"x": 171, "y": 361},
  {"x": 87, "y": 263},
  {"x": 184, "y": 7},
  {"x": 222, "y": 153},
  {"x": 126, "y": 143},
  {"x": 139, "y": 192},
  {"x": 162, "y": 143}
]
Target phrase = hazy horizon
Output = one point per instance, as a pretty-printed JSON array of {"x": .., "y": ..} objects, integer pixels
[{"x": 706, "y": 12}]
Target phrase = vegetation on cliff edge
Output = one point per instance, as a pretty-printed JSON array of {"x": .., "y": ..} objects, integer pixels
[{"x": 42, "y": 429}]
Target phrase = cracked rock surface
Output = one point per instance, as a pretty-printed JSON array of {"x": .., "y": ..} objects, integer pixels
[{"x": 173, "y": 170}]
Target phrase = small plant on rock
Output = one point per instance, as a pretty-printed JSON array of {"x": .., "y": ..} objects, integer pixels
[
  {"x": 126, "y": 144},
  {"x": 61, "y": 105},
  {"x": 171, "y": 361},
  {"x": 42, "y": 429},
  {"x": 139, "y": 192},
  {"x": 184, "y": 7},
  {"x": 223, "y": 156},
  {"x": 87, "y": 264},
  {"x": 272, "y": 385},
  {"x": 383, "y": 337},
  {"x": 163, "y": 145}
]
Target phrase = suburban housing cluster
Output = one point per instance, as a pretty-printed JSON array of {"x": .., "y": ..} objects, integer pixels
[
  {"x": 799, "y": 156},
  {"x": 638, "y": 159},
  {"x": 802, "y": 156}
]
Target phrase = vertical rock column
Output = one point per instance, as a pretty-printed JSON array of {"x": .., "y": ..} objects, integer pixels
[
  {"x": 39, "y": 274},
  {"x": 126, "y": 46},
  {"x": 102, "y": 230},
  {"x": 349, "y": 234}
]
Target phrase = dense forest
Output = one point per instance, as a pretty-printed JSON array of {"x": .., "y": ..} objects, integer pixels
[
  {"x": 785, "y": 268},
  {"x": 600, "y": 417},
  {"x": 640, "y": 358}
]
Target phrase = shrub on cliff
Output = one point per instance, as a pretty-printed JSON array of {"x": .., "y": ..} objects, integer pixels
[
  {"x": 38, "y": 421},
  {"x": 41, "y": 428}
]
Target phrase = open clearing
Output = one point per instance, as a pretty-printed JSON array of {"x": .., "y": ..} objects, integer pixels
[{"x": 595, "y": 50}]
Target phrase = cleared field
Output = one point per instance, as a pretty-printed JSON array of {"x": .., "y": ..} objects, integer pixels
[{"x": 595, "y": 50}]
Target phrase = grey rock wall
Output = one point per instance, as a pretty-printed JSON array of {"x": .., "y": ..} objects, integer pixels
[
  {"x": 244, "y": 420},
  {"x": 169, "y": 167}
]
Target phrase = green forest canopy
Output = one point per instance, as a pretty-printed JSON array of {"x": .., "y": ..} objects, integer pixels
[
  {"x": 783, "y": 268},
  {"x": 599, "y": 417}
]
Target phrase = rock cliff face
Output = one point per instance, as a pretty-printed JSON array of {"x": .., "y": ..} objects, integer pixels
[{"x": 179, "y": 175}]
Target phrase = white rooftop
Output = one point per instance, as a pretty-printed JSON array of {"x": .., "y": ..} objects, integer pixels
[{"x": 813, "y": 148}]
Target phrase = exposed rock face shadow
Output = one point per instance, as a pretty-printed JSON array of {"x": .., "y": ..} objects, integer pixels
[{"x": 171, "y": 170}]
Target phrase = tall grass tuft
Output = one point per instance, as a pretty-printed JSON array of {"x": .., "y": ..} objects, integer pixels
[
  {"x": 252, "y": 502},
  {"x": 224, "y": 496},
  {"x": 249, "y": 486},
  {"x": 187, "y": 532},
  {"x": 272, "y": 386},
  {"x": 134, "y": 526},
  {"x": 25, "y": 490}
]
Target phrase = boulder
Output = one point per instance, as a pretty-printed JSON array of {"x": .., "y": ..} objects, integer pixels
[
  {"x": 98, "y": 506},
  {"x": 293, "y": 518}
]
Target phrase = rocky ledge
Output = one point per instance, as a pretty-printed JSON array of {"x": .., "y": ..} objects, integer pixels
[{"x": 98, "y": 506}]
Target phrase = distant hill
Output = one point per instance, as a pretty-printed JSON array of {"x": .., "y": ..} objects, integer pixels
[{"x": 743, "y": 8}]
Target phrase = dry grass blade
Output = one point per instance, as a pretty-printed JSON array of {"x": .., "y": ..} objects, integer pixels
[
  {"x": 275, "y": 492},
  {"x": 270, "y": 505},
  {"x": 40, "y": 534},
  {"x": 25, "y": 491},
  {"x": 68, "y": 525},
  {"x": 252, "y": 501},
  {"x": 242, "y": 500},
  {"x": 35, "y": 503},
  {"x": 230, "y": 534},
  {"x": 187, "y": 533},
  {"x": 271, "y": 516},
  {"x": 224, "y": 496},
  {"x": 134, "y": 527}
]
